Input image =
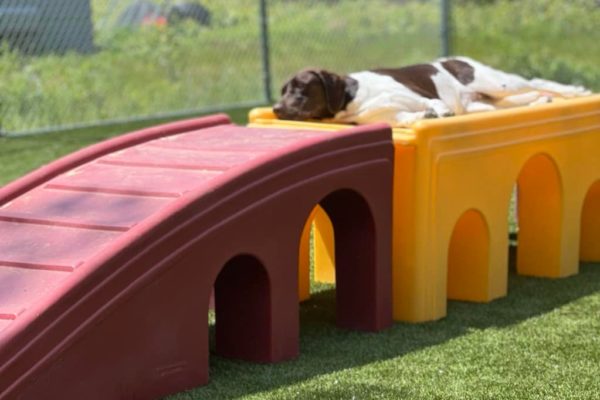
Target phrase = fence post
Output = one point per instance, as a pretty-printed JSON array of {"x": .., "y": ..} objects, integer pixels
[
  {"x": 265, "y": 51},
  {"x": 446, "y": 28}
]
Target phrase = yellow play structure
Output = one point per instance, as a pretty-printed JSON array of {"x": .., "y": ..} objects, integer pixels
[{"x": 454, "y": 178}]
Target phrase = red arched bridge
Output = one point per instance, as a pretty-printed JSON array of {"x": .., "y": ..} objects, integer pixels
[{"x": 108, "y": 257}]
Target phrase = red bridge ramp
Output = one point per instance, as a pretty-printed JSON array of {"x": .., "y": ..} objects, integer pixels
[{"x": 108, "y": 256}]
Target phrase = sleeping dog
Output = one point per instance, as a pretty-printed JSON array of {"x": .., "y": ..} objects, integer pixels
[{"x": 402, "y": 96}]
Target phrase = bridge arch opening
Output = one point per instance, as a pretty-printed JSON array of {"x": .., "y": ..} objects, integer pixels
[
  {"x": 468, "y": 258},
  {"x": 539, "y": 209},
  {"x": 589, "y": 247},
  {"x": 317, "y": 252},
  {"x": 353, "y": 262},
  {"x": 242, "y": 296}
]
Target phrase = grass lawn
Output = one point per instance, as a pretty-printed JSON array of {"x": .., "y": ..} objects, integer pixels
[{"x": 540, "y": 342}]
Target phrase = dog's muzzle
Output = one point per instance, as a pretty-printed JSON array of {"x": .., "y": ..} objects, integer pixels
[{"x": 282, "y": 113}]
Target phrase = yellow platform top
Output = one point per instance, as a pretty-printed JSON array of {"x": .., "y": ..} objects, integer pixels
[
  {"x": 557, "y": 110},
  {"x": 264, "y": 117}
]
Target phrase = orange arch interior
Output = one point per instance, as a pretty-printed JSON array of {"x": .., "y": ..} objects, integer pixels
[
  {"x": 590, "y": 225},
  {"x": 539, "y": 200},
  {"x": 468, "y": 258}
]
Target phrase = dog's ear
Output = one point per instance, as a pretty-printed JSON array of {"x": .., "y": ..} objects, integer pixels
[
  {"x": 284, "y": 87},
  {"x": 296, "y": 79},
  {"x": 335, "y": 89}
]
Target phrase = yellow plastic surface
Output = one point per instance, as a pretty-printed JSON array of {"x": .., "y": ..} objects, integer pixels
[
  {"x": 590, "y": 229},
  {"x": 324, "y": 247},
  {"x": 452, "y": 187}
]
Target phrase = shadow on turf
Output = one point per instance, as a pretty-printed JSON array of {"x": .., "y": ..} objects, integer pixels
[{"x": 325, "y": 349}]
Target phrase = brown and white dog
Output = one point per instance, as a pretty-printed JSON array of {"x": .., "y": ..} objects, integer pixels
[{"x": 402, "y": 96}]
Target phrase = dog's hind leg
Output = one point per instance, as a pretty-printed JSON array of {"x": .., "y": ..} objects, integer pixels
[
  {"x": 523, "y": 99},
  {"x": 555, "y": 88},
  {"x": 477, "y": 106}
]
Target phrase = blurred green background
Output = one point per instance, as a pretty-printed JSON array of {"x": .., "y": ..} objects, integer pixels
[{"x": 158, "y": 69}]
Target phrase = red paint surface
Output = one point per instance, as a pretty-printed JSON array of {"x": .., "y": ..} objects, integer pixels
[
  {"x": 49, "y": 247},
  {"x": 83, "y": 209},
  {"x": 20, "y": 287},
  {"x": 4, "y": 323}
]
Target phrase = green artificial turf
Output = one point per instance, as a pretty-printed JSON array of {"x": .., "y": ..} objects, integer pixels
[{"x": 540, "y": 342}]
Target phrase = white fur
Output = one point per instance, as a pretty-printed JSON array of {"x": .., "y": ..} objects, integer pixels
[{"x": 381, "y": 98}]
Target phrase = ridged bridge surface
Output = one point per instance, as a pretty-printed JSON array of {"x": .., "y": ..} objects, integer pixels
[{"x": 53, "y": 229}]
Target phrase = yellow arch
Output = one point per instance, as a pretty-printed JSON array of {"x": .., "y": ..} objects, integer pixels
[
  {"x": 445, "y": 166},
  {"x": 468, "y": 258}
]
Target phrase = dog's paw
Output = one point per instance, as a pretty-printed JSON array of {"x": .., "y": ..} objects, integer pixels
[
  {"x": 430, "y": 113},
  {"x": 542, "y": 100}
]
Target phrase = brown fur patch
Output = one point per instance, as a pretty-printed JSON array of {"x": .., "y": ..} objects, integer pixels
[
  {"x": 416, "y": 77},
  {"x": 461, "y": 70}
]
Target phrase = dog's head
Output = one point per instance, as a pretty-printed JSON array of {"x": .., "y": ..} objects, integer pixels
[{"x": 311, "y": 94}]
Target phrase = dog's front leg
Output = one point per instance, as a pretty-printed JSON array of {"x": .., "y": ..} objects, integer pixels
[{"x": 437, "y": 108}]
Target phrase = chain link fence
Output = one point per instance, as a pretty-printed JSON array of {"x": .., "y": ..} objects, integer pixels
[
  {"x": 78, "y": 62},
  {"x": 84, "y": 62}
]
